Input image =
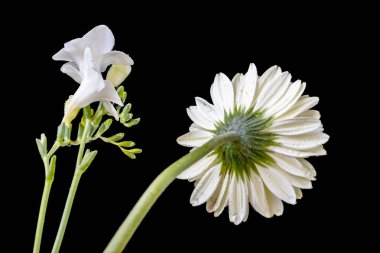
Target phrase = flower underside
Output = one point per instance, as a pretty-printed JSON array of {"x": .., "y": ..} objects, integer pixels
[{"x": 251, "y": 149}]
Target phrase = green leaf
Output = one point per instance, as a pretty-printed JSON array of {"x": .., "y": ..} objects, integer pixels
[
  {"x": 132, "y": 122},
  {"x": 87, "y": 160},
  {"x": 116, "y": 137},
  {"x": 126, "y": 144}
]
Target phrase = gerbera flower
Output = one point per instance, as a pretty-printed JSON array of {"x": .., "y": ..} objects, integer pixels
[{"x": 267, "y": 164}]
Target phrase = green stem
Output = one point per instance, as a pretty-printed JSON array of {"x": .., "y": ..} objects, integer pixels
[
  {"x": 49, "y": 178},
  {"x": 73, "y": 189},
  {"x": 66, "y": 212},
  {"x": 156, "y": 188},
  {"x": 41, "y": 215}
]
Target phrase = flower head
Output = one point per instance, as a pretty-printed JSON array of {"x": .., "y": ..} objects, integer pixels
[
  {"x": 92, "y": 88},
  {"x": 101, "y": 42},
  {"x": 87, "y": 57},
  {"x": 266, "y": 166}
]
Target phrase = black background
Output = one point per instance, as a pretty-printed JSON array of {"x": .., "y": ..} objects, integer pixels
[{"x": 177, "y": 52}]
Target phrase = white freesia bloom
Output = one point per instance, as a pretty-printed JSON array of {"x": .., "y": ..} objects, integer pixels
[
  {"x": 101, "y": 41},
  {"x": 267, "y": 165},
  {"x": 87, "y": 57},
  {"x": 92, "y": 88}
]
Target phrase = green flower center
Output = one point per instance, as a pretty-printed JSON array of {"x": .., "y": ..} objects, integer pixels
[{"x": 251, "y": 150}]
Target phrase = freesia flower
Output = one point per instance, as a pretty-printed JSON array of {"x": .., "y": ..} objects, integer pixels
[
  {"x": 92, "y": 88},
  {"x": 267, "y": 165},
  {"x": 101, "y": 41},
  {"x": 87, "y": 57}
]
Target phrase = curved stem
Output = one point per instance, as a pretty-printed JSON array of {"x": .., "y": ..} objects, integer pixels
[
  {"x": 41, "y": 215},
  {"x": 73, "y": 189},
  {"x": 155, "y": 189}
]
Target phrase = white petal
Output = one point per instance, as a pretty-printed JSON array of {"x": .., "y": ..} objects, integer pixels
[
  {"x": 298, "y": 192},
  {"x": 238, "y": 200},
  {"x": 194, "y": 139},
  {"x": 222, "y": 93},
  {"x": 195, "y": 127},
  {"x": 62, "y": 55},
  {"x": 275, "y": 204},
  {"x": 206, "y": 186},
  {"x": 102, "y": 39},
  {"x": 76, "y": 48},
  {"x": 219, "y": 200},
  {"x": 245, "y": 87},
  {"x": 273, "y": 90},
  {"x": 223, "y": 198},
  {"x": 114, "y": 57},
  {"x": 196, "y": 116},
  {"x": 296, "y": 181},
  {"x": 110, "y": 94},
  {"x": 292, "y": 165},
  {"x": 277, "y": 184},
  {"x": 111, "y": 110},
  {"x": 318, "y": 151},
  {"x": 268, "y": 75},
  {"x": 207, "y": 110},
  {"x": 198, "y": 168},
  {"x": 302, "y": 105},
  {"x": 303, "y": 141},
  {"x": 283, "y": 85},
  {"x": 236, "y": 81},
  {"x": 290, "y": 97},
  {"x": 308, "y": 166},
  {"x": 310, "y": 114},
  {"x": 294, "y": 126},
  {"x": 71, "y": 69},
  {"x": 257, "y": 196}
]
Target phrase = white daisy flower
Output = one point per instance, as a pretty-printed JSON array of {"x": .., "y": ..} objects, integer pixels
[{"x": 267, "y": 165}]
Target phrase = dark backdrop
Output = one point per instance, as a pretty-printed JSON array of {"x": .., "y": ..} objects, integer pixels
[{"x": 177, "y": 52}]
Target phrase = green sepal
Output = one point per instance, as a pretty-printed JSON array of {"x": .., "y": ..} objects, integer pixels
[
  {"x": 131, "y": 152},
  {"x": 126, "y": 144},
  {"x": 132, "y": 122},
  {"x": 89, "y": 156},
  {"x": 41, "y": 148},
  {"x": 120, "y": 90},
  {"x": 88, "y": 111},
  {"x": 61, "y": 132},
  {"x": 96, "y": 121},
  {"x": 51, "y": 171},
  {"x": 116, "y": 137},
  {"x": 125, "y": 117},
  {"x": 80, "y": 131},
  {"x": 67, "y": 135},
  {"x": 124, "y": 96},
  {"x": 103, "y": 128},
  {"x": 126, "y": 109}
]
